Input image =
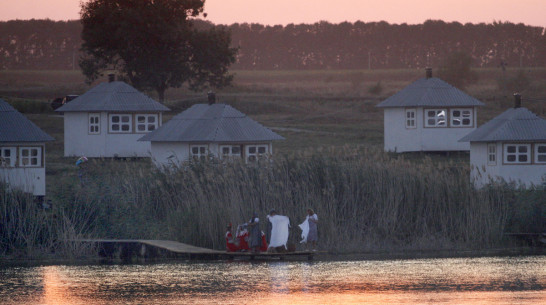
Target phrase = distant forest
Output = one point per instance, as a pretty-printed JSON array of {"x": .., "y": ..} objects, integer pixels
[{"x": 46, "y": 44}]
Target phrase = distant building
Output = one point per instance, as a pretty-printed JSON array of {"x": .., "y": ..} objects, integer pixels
[
  {"x": 22, "y": 151},
  {"x": 428, "y": 115},
  {"x": 107, "y": 121},
  {"x": 511, "y": 147},
  {"x": 211, "y": 129}
]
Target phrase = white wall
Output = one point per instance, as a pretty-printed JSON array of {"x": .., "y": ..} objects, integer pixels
[
  {"x": 397, "y": 137},
  {"x": 401, "y": 139},
  {"x": 29, "y": 179},
  {"x": 482, "y": 173},
  {"x": 78, "y": 141},
  {"x": 169, "y": 153}
]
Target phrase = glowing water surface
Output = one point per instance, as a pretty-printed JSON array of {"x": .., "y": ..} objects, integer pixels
[{"x": 491, "y": 280}]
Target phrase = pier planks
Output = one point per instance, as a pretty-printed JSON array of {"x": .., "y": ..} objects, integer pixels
[{"x": 143, "y": 248}]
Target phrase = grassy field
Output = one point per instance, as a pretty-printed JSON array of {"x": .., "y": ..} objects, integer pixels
[
  {"x": 327, "y": 118},
  {"x": 309, "y": 108}
]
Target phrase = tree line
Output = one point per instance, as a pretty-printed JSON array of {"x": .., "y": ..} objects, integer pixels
[{"x": 47, "y": 44}]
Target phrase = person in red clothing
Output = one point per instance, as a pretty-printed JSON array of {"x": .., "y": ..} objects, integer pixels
[
  {"x": 263, "y": 247},
  {"x": 241, "y": 238},
  {"x": 231, "y": 244}
]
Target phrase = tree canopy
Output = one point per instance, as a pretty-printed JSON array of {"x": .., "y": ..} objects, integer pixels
[
  {"x": 47, "y": 44},
  {"x": 154, "y": 44}
]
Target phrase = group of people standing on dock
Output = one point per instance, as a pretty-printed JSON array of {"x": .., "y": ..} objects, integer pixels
[{"x": 250, "y": 237}]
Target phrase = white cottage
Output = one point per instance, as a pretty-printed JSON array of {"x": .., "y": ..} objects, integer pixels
[
  {"x": 108, "y": 120},
  {"x": 510, "y": 147},
  {"x": 210, "y": 129},
  {"x": 428, "y": 115},
  {"x": 22, "y": 151}
]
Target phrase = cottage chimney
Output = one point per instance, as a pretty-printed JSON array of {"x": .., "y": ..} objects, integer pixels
[
  {"x": 517, "y": 100},
  {"x": 428, "y": 72},
  {"x": 212, "y": 97},
  {"x": 111, "y": 77}
]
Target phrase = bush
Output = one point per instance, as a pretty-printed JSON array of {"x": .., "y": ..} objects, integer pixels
[
  {"x": 517, "y": 83},
  {"x": 30, "y": 106},
  {"x": 376, "y": 89},
  {"x": 527, "y": 212},
  {"x": 356, "y": 79},
  {"x": 457, "y": 70}
]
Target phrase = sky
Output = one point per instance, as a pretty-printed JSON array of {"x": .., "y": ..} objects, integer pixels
[{"x": 271, "y": 12}]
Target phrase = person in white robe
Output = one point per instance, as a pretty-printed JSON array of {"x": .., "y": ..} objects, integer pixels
[
  {"x": 309, "y": 229},
  {"x": 279, "y": 230}
]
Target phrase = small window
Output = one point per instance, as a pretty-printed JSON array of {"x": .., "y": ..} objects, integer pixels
[
  {"x": 540, "y": 153},
  {"x": 256, "y": 152},
  {"x": 146, "y": 122},
  {"x": 198, "y": 152},
  {"x": 30, "y": 157},
  {"x": 94, "y": 123},
  {"x": 230, "y": 151},
  {"x": 7, "y": 156},
  {"x": 410, "y": 118},
  {"x": 491, "y": 154},
  {"x": 435, "y": 118},
  {"x": 517, "y": 153},
  {"x": 120, "y": 123},
  {"x": 461, "y": 118}
]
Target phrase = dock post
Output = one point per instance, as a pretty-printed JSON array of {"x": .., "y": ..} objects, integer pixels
[{"x": 142, "y": 251}]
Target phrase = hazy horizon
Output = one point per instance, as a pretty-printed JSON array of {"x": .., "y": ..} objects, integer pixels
[{"x": 283, "y": 12}]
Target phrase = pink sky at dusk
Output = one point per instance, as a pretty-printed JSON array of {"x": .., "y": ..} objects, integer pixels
[{"x": 531, "y": 12}]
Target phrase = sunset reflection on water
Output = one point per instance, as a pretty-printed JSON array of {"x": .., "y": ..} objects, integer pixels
[{"x": 520, "y": 280}]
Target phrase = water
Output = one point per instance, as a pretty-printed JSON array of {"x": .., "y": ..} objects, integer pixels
[{"x": 491, "y": 280}]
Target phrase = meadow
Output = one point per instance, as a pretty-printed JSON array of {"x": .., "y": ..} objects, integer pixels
[{"x": 331, "y": 160}]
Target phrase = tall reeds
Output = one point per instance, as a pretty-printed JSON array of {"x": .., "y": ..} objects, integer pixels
[
  {"x": 28, "y": 230},
  {"x": 366, "y": 200}
]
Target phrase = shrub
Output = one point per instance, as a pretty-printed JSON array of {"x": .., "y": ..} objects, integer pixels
[
  {"x": 30, "y": 106},
  {"x": 457, "y": 70},
  {"x": 517, "y": 83},
  {"x": 375, "y": 89}
]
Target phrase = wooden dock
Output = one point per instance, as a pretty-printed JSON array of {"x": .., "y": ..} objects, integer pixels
[{"x": 143, "y": 248}]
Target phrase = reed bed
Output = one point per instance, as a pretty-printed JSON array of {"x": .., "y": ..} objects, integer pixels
[
  {"x": 28, "y": 230},
  {"x": 366, "y": 200}
]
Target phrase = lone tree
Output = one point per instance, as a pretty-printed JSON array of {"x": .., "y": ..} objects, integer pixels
[{"x": 154, "y": 45}]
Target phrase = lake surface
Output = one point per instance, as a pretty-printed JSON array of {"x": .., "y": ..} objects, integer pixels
[{"x": 489, "y": 280}]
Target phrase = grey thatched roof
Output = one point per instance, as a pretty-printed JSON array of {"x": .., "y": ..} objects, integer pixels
[
  {"x": 112, "y": 96},
  {"x": 211, "y": 123},
  {"x": 515, "y": 124},
  {"x": 15, "y": 127},
  {"x": 430, "y": 92}
]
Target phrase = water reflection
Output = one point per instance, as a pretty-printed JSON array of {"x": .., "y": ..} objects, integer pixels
[
  {"x": 54, "y": 291},
  {"x": 520, "y": 280}
]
